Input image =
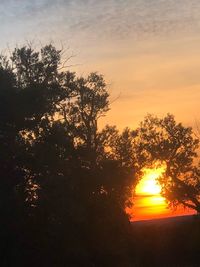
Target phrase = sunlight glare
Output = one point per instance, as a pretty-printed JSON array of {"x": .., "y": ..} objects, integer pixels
[{"x": 149, "y": 183}]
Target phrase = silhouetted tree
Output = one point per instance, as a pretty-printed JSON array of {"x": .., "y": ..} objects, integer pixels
[
  {"x": 62, "y": 193},
  {"x": 175, "y": 146}
]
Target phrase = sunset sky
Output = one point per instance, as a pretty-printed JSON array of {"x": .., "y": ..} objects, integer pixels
[{"x": 148, "y": 50}]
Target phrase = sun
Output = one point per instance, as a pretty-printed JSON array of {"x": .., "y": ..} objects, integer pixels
[
  {"x": 149, "y": 184},
  {"x": 148, "y": 201}
]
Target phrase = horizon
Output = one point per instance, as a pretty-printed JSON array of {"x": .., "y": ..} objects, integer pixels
[{"x": 165, "y": 219}]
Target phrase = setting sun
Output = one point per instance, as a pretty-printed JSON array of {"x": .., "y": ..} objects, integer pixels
[
  {"x": 149, "y": 183},
  {"x": 148, "y": 201},
  {"x": 148, "y": 191}
]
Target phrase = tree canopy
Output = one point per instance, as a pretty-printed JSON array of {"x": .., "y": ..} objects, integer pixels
[
  {"x": 176, "y": 146},
  {"x": 60, "y": 187}
]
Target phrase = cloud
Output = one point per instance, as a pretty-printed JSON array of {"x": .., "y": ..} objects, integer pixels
[{"x": 105, "y": 19}]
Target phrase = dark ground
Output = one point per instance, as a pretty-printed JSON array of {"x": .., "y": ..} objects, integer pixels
[{"x": 167, "y": 242}]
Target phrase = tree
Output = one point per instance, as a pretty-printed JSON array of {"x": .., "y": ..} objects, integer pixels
[
  {"x": 175, "y": 146},
  {"x": 68, "y": 192},
  {"x": 82, "y": 111}
]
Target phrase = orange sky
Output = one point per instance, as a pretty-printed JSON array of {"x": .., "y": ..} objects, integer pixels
[
  {"x": 155, "y": 76},
  {"x": 143, "y": 209}
]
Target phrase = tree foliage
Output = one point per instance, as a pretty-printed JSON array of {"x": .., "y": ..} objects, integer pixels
[
  {"x": 175, "y": 146},
  {"x": 62, "y": 194}
]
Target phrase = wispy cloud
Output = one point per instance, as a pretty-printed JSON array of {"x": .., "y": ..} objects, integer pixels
[{"x": 105, "y": 19}]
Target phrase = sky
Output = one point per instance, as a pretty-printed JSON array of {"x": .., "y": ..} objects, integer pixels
[{"x": 148, "y": 50}]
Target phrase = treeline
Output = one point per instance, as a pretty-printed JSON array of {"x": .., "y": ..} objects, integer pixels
[{"x": 64, "y": 183}]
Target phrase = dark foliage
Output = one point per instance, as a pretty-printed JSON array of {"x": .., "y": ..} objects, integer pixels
[
  {"x": 62, "y": 195},
  {"x": 175, "y": 146}
]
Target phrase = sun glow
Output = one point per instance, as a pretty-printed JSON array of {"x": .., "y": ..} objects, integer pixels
[
  {"x": 148, "y": 202},
  {"x": 148, "y": 191},
  {"x": 149, "y": 184}
]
